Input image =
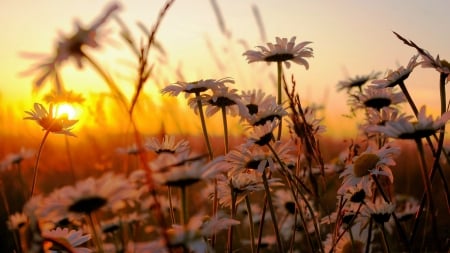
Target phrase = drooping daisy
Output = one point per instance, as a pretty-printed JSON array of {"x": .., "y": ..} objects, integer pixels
[
  {"x": 16, "y": 158},
  {"x": 222, "y": 97},
  {"x": 49, "y": 122},
  {"x": 178, "y": 170},
  {"x": 282, "y": 51},
  {"x": 196, "y": 87},
  {"x": 72, "y": 46},
  {"x": 380, "y": 210},
  {"x": 167, "y": 145},
  {"x": 368, "y": 163},
  {"x": 394, "y": 78},
  {"x": 376, "y": 98},
  {"x": 356, "y": 82},
  {"x": 74, "y": 238},
  {"x": 255, "y": 100},
  {"x": 404, "y": 128},
  {"x": 262, "y": 134}
]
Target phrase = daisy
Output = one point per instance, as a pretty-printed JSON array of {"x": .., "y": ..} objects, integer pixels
[
  {"x": 179, "y": 170},
  {"x": 282, "y": 51},
  {"x": 133, "y": 149},
  {"x": 368, "y": 163},
  {"x": 167, "y": 145},
  {"x": 379, "y": 118},
  {"x": 262, "y": 134},
  {"x": 376, "y": 98},
  {"x": 73, "y": 238},
  {"x": 403, "y": 128},
  {"x": 109, "y": 192},
  {"x": 354, "y": 241},
  {"x": 16, "y": 221},
  {"x": 308, "y": 120},
  {"x": 260, "y": 114},
  {"x": 356, "y": 82},
  {"x": 196, "y": 87},
  {"x": 255, "y": 100},
  {"x": 48, "y": 121},
  {"x": 244, "y": 157},
  {"x": 222, "y": 97},
  {"x": 398, "y": 76},
  {"x": 72, "y": 46},
  {"x": 16, "y": 158},
  {"x": 380, "y": 210}
]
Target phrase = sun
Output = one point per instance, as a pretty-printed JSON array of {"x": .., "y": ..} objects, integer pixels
[{"x": 65, "y": 110}]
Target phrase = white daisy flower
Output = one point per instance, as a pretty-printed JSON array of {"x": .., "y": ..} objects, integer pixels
[{"x": 393, "y": 78}]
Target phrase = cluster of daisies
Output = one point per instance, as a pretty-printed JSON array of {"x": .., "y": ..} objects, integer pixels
[{"x": 263, "y": 194}]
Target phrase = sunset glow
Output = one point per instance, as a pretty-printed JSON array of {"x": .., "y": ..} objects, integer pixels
[{"x": 210, "y": 126}]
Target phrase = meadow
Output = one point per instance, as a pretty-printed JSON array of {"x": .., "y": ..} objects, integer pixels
[{"x": 206, "y": 166}]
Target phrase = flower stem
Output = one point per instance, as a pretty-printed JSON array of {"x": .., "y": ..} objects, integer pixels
[
  {"x": 204, "y": 129},
  {"x": 184, "y": 215},
  {"x": 172, "y": 214},
  {"x": 408, "y": 98},
  {"x": 233, "y": 213},
  {"x": 225, "y": 128},
  {"x": 33, "y": 185},
  {"x": 280, "y": 94},
  {"x": 95, "y": 232},
  {"x": 250, "y": 221},
  {"x": 385, "y": 242},
  {"x": 272, "y": 213}
]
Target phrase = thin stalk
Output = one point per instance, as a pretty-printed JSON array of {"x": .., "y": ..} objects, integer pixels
[
  {"x": 172, "y": 214},
  {"x": 369, "y": 236},
  {"x": 203, "y": 121},
  {"x": 95, "y": 232},
  {"x": 280, "y": 94},
  {"x": 250, "y": 220},
  {"x": 408, "y": 98},
  {"x": 385, "y": 242},
  {"x": 33, "y": 185},
  {"x": 225, "y": 128},
  {"x": 233, "y": 213},
  {"x": 261, "y": 223},
  {"x": 272, "y": 213},
  {"x": 184, "y": 213},
  {"x": 427, "y": 183}
]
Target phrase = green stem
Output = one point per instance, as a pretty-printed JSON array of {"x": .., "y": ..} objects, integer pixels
[
  {"x": 272, "y": 213},
  {"x": 33, "y": 185},
  {"x": 250, "y": 220}
]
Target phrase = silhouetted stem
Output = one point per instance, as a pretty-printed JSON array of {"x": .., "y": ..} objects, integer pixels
[
  {"x": 35, "y": 172},
  {"x": 250, "y": 220},
  {"x": 272, "y": 213},
  {"x": 225, "y": 128},
  {"x": 280, "y": 94}
]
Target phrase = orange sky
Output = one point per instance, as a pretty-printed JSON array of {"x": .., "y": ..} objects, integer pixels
[{"x": 349, "y": 38}]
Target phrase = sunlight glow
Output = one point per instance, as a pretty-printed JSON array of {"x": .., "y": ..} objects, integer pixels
[{"x": 65, "y": 110}]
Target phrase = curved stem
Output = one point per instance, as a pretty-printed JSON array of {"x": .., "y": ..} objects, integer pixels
[
  {"x": 204, "y": 129},
  {"x": 35, "y": 172},
  {"x": 272, "y": 213},
  {"x": 250, "y": 220},
  {"x": 225, "y": 128},
  {"x": 280, "y": 94}
]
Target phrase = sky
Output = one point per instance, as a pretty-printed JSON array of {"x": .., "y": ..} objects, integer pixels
[{"x": 350, "y": 38}]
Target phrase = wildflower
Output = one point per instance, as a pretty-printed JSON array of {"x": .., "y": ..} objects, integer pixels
[
  {"x": 133, "y": 149},
  {"x": 308, "y": 121},
  {"x": 58, "y": 97},
  {"x": 403, "y": 128},
  {"x": 398, "y": 76},
  {"x": 377, "y": 98},
  {"x": 222, "y": 97},
  {"x": 109, "y": 191},
  {"x": 17, "y": 220},
  {"x": 48, "y": 121},
  {"x": 379, "y": 118},
  {"x": 282, "y": 51},
  {"x": 71, "y": 46},
  {"x": 254, "y": 100},
  {"x": 262, "y": 134},
  {"x": 369, "y": 162},
  {"x": 74, "y": 238},
  {"x": 196, "y": 87},
  {"x": 167, "y": 145},
  {"x": 182, "y": 171},
  {"x": 244, "y": 157},
  {"x": 267, "y": 110},
  {"x": 16, "y": 158},
  {"x": 380, "y": 210},
  {"x": 356, "y": 82}
]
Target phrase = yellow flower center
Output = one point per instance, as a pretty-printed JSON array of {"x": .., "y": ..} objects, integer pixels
[{"x": 364, "y": 163}]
